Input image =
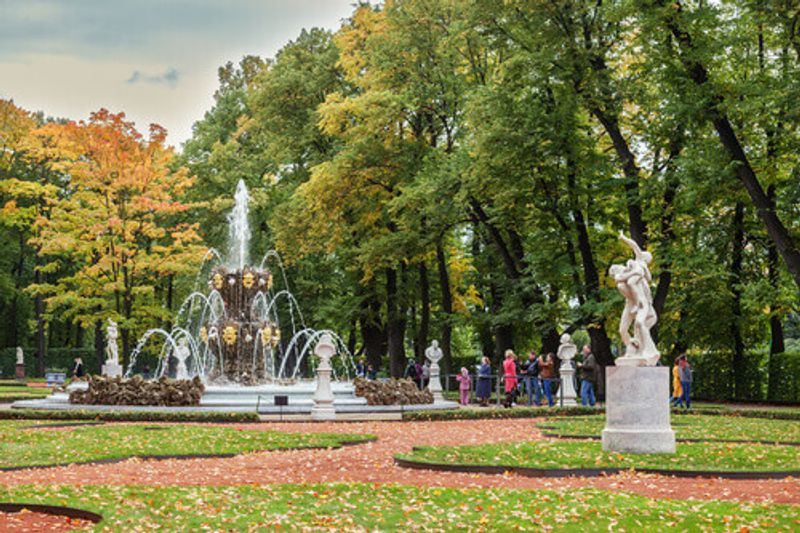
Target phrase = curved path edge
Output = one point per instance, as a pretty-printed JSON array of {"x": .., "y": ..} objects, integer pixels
[
  {"x": 182, "y": 456},
  {"x": 70, "y": 512},
  {"x": 546, "y": 433},
  {"x": 587, "y": 472}
]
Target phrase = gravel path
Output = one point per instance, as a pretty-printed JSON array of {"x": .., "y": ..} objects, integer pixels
[{"x": 373, "y": 463}]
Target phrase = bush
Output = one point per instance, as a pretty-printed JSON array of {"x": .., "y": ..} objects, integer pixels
[
  {"x": 714, "y": 378},
  {"x": 104, "y": 390},
  {"x": 127, "y": 416},
  {"x": 55, "y": 358}
]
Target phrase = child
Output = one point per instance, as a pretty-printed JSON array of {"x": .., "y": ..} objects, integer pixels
[{"x": 464, "y": 384}]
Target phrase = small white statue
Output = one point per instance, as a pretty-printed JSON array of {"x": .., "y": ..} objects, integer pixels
[
  {"x": 434, "y": 353},
  {"x": 20, "y": 356},
  {"x": 182, "y": 353},
  {"x": 112, "y": 350},
  {"x": 633, "y": 281},
  {"x": 567, "y": 350}
]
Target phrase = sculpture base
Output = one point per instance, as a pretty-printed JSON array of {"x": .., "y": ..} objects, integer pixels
[
  {"x": 637, "y": 410},
  {"x": 20, "y": 372},
  {"x": 111, "y": 369},
  {"x": 568, "y": 395},
  {"x": 323, "y": 411}
]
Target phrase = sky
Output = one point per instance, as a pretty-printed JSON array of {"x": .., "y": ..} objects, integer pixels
[{"x": 156, "y": 60}]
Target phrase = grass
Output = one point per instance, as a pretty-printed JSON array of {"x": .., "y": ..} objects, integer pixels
[
  {"x": 40, "y": 447},
  {"x": 711, "y": 428},
  {"x": 21, "y": 392},
  {"x": 708, "y": 456},
  {"x": 128, "y": 416},
  {"x": 360, "y": 507}
]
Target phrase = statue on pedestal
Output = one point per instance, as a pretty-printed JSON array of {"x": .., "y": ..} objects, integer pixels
[
  {"x": 182, "y": 353},
  {"x": 20, "y": 356},
  {"x": 434, "y": 354},
  {"x": 323, "y": 396},
  {"x": 112, "y": 349},
  {"x": 20, "y": 366},
  {"x": 633, "y": 281},
  {"x": 566, "y": 352}
]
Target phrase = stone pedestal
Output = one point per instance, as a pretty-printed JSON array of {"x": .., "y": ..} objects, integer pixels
[
  {"x": 323, "y": 396},
  {"x": 111, "y": 369},
  {"x": 637, "y": 410},
  {"x": 20, "y": 372},
  {"x": 435, "y": 384},
  {"x": 568, "y": 395}
]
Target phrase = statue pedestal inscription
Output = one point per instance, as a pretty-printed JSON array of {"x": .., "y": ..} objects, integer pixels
[{"x": 637, "y": 410}]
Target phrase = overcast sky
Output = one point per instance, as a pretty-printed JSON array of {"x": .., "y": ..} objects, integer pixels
[{"x": 156, "y": 60}]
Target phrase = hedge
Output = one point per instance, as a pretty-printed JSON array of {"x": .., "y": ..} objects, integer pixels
[
  {"x": 714, "y": 379},
  {"x": 56, "y": 359},
  {"x": 127, "y": 416}
]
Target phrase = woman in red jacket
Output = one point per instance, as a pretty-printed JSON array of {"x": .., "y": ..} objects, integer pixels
[{"x": 510, "y": 377}]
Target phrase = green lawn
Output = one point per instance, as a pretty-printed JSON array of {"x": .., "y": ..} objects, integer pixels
[
  {"x": 386, "y": 507},
  {"x": 556, "y": 454},
  {"x": 722, "y": 428},
  {"x": 36, "y": 447}
]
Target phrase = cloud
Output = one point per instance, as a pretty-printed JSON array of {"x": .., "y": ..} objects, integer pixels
[{"x": 169, "y": 77}]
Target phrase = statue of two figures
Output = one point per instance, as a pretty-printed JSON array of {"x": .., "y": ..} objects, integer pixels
[{"x": 633, "y": 281}]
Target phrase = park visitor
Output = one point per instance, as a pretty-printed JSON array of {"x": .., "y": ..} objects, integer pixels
[
  {"x": 418, "y": 369},
  {"x": 361, "y": 369},
  {"x": 372, "y": 374},
  {"x": 426, "y": 374},
  {"x": 588, "y": 376},
  {"x": 532, "y": 383},
  {"x": 77, "y": 369},
  {"x": 510, "y": 377},
  {"x": 547, "y": 373},
  {"x": 464, "y": 383},
  {"x": 484, "y": 387},
  {"x": 411, "y": 371},
  {"x": 677, "y": 390},
  {"x": 685, "y": 373}
]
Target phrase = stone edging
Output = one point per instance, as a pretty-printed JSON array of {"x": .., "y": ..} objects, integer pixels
[
  {"x": 70, "y": 512},
  {"x": 181, "y": 457},
  {"x": 595, "y": 437},
  {"x": 587, "y": 472}
]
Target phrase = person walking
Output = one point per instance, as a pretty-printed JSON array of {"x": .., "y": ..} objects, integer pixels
[
  {"x": 484, "y": 386},
  {"x": 361, "y": 369},
  {"x": 685, "y": 374},
  {"x": 547, "y": 373},
  {"x": 588, "y": 376},
  {"x": 677, "y": 390},
  {"x": 532, "y": 384},
  {"x": 464, "y": 384},
  {"x": 510, "y": 377},
  {"x": 426, "y": 374},
  {"x": 411, "y": 371}
]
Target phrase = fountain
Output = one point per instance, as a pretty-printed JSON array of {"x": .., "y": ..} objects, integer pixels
[{"x": 245, "y": 340}]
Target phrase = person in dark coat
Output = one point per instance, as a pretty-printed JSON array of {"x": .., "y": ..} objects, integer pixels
[
  {"x": 588, "y": 370},
  {"x": 77, "y": 369},
  {"x": 483, "y": 390}
]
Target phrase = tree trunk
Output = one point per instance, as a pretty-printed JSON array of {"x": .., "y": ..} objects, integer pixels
[
  {"x": 395, "y": 327},
  {"x": 99, "y": 344},
  {"x": 373, "y": 332},
  {"x": 447, "y": 308},
  {"x": 776, "y": 344},
  {"x": 40, "y": 326},
  {"x": 736, "y": 304},
  {"x": 425, "y": 311}
]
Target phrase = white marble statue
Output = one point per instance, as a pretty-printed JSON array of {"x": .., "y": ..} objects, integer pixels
[
  {"x": 633, "y": 281},
  {"x": 20, "y": 356},
  {"x": 112, "y": 349},
  {"x": 434, "y": 354},
  {"x": 182, "y": 353},
  {"x": 323, "y": 396},
  {"x": 566, "y": 352}
]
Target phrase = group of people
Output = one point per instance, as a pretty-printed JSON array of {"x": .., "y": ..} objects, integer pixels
[
  {"x": 681, "y": 383},
  {"x": 366, "y": 371},
  {"x": 535, "y": 376}
]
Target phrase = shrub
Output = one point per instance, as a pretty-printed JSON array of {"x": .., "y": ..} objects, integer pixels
[
  {"x": 517, "y": 412},
  {"x": 714, "y": 378},
  {"x": 127, "y": 416}
]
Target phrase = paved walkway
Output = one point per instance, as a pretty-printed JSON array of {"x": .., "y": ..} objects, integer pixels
[{"x": 373, "y": 463}]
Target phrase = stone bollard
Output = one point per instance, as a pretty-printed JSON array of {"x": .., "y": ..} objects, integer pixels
[{"x": 323, "y": 396}]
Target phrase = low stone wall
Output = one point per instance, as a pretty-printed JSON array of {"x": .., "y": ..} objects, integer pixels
[
  {"x": 392, "y": 392},
  {"x": 105, "y": 390}
]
